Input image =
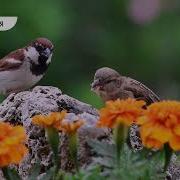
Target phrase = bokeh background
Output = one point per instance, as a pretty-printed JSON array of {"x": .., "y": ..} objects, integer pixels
[{"x": 139, "y": 38}]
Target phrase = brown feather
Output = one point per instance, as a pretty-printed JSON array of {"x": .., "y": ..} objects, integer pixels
[
  {"x": 140, "y": 91},
  {"x": 18, "y": 57}
]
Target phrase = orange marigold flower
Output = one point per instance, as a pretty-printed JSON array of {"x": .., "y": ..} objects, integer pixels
[
  {"x": 51, "y": 120},
  {"x": 161, "y": 124},
  {"x": 125, "y": 111},
  {"x": 71, "y": 127},
  {"x": 12, "y": 148}
]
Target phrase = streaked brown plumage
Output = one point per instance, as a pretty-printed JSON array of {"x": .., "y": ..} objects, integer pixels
[
  {"x": 23, "y": 68},
  {"x": 110, "y": 85}
]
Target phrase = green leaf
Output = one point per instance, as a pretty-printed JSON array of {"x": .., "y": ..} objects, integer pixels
[
  {"x": 145, "y": 165},
  {"x": 53, "y": 139},
  {"x": 91, "y": 174},
  {"x": 102, "y": 148},
  {"x": 60, "y": 175},
  {"x": 10, "y": 174},
  {"x": 35, "y": 171},
  {"x": 120, "y": 134},
  {"x": 73, "y": 148},
  {"x": 168, "y": 154},
  {"x": 105, "y": 162},
  {"x": 49, "y": 174}
]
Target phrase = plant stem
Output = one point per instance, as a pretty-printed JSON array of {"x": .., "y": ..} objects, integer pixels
[
  {"x": 53, "y": 139},
  {"x": 10, "y": 174},
  {"x": 59, "y": 176},
  {"x": 73, "y": 148},
  {"x": 5, "y": 173},
  {"x": 168, "y": 154},
  {"x": 120, "y": 133}
]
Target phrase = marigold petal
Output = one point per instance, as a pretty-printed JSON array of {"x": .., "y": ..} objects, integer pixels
[
  {"x": 71, "y": 127},
  {"x": 146, "y": 130},
  {"x": 171, "y": 121},
  {"x": 125, "y": 111},
  {"x": 53, "y": 119},
  {"x": 177, "y": 130},
  {"x": 161, "y": 122},
  {"x": 152, "y": 143},
  {"x": 12, "y": 148},
  {"x": 175, "y": 143},
  {"x": 161, "y": 133},
  {"x": 141, "y": 120}
]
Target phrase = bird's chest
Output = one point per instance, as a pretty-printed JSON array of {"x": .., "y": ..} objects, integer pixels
[
  {"x": 30, "y": 78},
  {"x": 113, "y": 94},
  {"x": 26, "y": 77}
]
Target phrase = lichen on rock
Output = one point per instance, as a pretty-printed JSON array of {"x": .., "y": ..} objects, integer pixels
[{"x": 19, "y": 108}]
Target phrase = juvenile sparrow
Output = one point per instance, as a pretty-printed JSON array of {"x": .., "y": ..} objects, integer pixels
[
  {"x": 23, "y": 68},
  {"x": 110, "y": 85}
]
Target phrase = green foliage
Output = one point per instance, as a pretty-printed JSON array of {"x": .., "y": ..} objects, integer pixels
[
  {"x": 34, "y": 172},
  {"x": 92, "y": 174},
  {"x": 133, "y": 165},
  {"x": 143, "y": 165},
  {"x": 10, "y": 174},
  {"x": 73, "y": 148},
  {"x": 53, "y": 139},
  {"x": 50, "y": 174},
  {"x": 168, "y": 154},
  {"x": 1, "y": 98}
]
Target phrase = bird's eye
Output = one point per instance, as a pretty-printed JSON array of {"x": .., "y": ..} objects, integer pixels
[
  {"x": 108, "y": 81},
  {"x": 39, "y": 48}
]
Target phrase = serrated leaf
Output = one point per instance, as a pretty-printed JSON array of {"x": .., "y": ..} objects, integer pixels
[
  {"x": 59, "y": 176},
  {"x": 105, "y": 162},
  {"x": 35, "y": 171},
  {"x": 10, "y": 174},
  {"x": 102, "y": 148},
  {"x": 144, "y": 165},
  {"x": 49, "y": 174}
]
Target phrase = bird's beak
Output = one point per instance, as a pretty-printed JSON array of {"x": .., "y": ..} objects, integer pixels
[
  {"x": 95, "y": 85},
  {"x": 47, "y": 52}
]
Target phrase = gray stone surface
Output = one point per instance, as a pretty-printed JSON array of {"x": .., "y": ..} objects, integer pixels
[
  {"x": 135, "y": 139},
  {"x": 173, "y": 171},
  {"x": 19, "y": 108}
]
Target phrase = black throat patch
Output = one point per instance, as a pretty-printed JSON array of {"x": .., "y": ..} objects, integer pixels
[{"x": 40, "y": 68}]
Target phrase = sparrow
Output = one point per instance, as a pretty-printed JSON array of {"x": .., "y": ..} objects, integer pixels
[
  {"x": 23, "y": 68},
  {"x": 110, "y": 85}
]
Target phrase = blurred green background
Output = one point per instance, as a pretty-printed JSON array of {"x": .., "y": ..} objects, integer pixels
[{"x": 139, "y": 38}]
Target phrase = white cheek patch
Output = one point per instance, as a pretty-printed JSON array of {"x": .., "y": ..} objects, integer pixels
[
  {"x": 49, "y": 59},
  {"x": 13, "y": 61},
  {"x": 32, "y": 54}
]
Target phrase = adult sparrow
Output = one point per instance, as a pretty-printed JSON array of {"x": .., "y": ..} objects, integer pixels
[
  {"x": 110, "y": 85},
  {"x": 23, "y": 68}
]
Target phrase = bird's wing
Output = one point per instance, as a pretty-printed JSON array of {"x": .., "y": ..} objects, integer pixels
[
  {"x": 140, "y": 91},
  {"x": 12, "y": 61}
]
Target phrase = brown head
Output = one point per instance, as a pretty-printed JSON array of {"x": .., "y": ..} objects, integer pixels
[
  {"x": 43, "y": 46},
  {"x": 39, "y": 53},
  {"x": 105, "y": 81},
  {"x": 42, "y": 43}
]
